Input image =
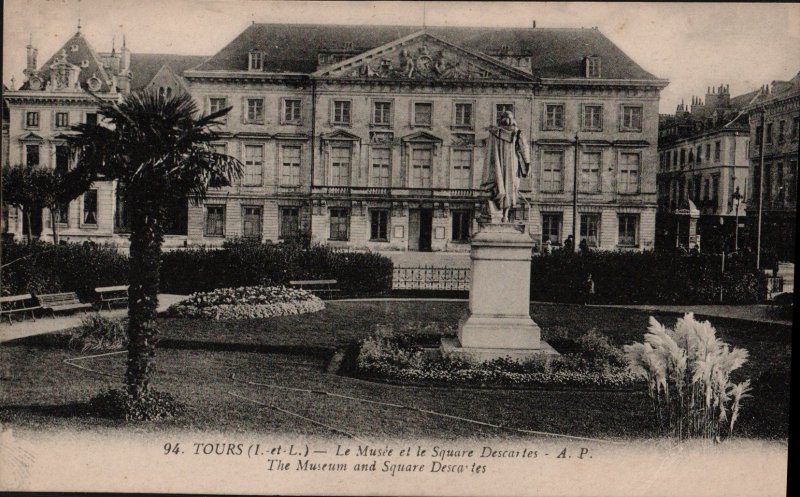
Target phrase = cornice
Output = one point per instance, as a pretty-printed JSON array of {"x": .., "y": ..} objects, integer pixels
[{"x": 40, "y": 97}]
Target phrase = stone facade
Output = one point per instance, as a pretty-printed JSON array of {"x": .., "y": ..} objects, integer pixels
[
  {"x": 392, "y": 141},
  {"x": 775, "y": 116}
]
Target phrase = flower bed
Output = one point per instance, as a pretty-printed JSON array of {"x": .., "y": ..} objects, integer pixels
[
  {"x": 594, "y": 364},
  {"x": 247, "y": 302}
]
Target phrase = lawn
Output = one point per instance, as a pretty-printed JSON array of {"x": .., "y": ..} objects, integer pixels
[{"x": 197, "y": 360}]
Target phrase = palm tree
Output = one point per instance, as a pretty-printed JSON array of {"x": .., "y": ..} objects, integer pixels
[{"x": 158, "y": 149}]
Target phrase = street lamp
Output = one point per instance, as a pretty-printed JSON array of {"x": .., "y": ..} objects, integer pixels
[{"x": 738, "y": 198}]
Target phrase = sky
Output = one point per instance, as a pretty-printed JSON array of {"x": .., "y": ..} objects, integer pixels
[{"x": 693, "y": 45}]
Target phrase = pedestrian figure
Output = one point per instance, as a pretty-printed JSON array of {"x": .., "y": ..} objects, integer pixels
[
  {"x": 588, "y": 289},
  {"x": 547, "y": 247},
  {"x": 584, "y": 246},
  {"x": 568, "y": 244}
]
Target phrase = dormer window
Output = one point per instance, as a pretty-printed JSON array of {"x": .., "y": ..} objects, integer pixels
[
  {"x": 593, "y": 66},
  {"x": 256, "y": 60},
  {"x": 74, "y": 48},
  {"x": 84, "y": 63}
]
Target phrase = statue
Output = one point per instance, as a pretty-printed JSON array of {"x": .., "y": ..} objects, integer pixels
[{"x": 507, "y": 160}]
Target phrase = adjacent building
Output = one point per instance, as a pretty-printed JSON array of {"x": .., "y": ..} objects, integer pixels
[
  {"x": 775, "y": 131},
  {"x": 374, "y": 136},
  {"x": 703, "y": 172},
  {"x": 54, "y": 97}
]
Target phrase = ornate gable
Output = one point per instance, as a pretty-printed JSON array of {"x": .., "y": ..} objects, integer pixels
[{"x": 422, "y": 57}]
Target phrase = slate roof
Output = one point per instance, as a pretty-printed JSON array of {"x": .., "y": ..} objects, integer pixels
[
  {"x": 84, "y": 52},
  {"x": 144, "y": 66},
  {"x": 555, "y": 53}
]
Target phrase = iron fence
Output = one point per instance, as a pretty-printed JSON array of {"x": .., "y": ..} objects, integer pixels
[{"x": 430, "y": 278}]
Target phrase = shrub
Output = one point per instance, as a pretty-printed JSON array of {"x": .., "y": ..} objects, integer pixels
[
  {"x": 402, "y": 358},
  {"x": 119, "y": 404},
  {"x": 646, "y": 278},
  {"x": 46, "y": 268},
  {"x": 99, "y": 333},
  {"x": 688, "y": 374},
  {"x": 244, "y": 262},
  {"x": 247, "y": 303}
]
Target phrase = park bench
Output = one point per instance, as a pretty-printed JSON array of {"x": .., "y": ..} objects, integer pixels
[
  {"x": 324, "y": 287},
  {"x": 56, "y": 302},
  {"x": 14, "y": 304},
  {"x": 112, "y": 295}
]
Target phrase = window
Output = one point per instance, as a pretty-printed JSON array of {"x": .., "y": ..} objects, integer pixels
[
  {"x": 62, "y": 119},
  {"x": 592, "y": 118},
  {"x": 291, "y": 110},
  {"x": 796, "y": 128},
  {"x": 379, "y": 225},
  {"x": 216, "y": 104},
  {"x": 463, "y": 115},
  {"x": 674, "y": 158},
  {"x": 500, "y": 109},
  {"x": 767, "y": 182},
  {"x": 699, "y": 154},
  {"x": 631, "y": 118},
  {"x": 791, "y": 181},
  {"x": 552, "y": 166},
  {"x": 381, "y": 167},
  {"x": 421, "y": 159},
  {"x": 340, "y": 166},
  {"x": 714, "y": 188},
  {"x": 551, "y": 228},
  {"x": 717, "y": 151},
  {"x": 683, "y": 156},
  {"x": 62, "y": 159},
  {"x": 340, "y": 224},
  {"x": 706, "y": 188},
  {"x": 91, "y": 118},
  {"x": 219, "y": 148},
  {"x": 697, "y": 183},
  {"x": 341, "y": 112},
  {"x": 165, "y": 92},
  {"x": 629, "y": 172},
  {"x": 32, "y": 155},
  {"x": 628, "y": 230},
  {"x": 253, "y": 165},
  {"x": 31, "y": 119},
  {"x": 590, "y": 172},
  {"x": 593, "y": 67},
  {"x": 554, "y": 116},
  {"x": 290, "y": 222},
  {"x": 255, "y": 110},
  {"x": 62, "y": 214},
  {"x": 290, "y": 167},
  {"x": 215, "y": 220},
  {"x": 708, "y": 152},
  {"x": 251, "y": 221},
  {"x": 462, "y": 165},
  {"x": 256, "y": 62},
  {"x": 462, "y": 222},
  {"x": 590, "y": 229},
  {"x": 382, "y": 113},
  {"x": 781, "y": 188},
  {"x": 759, "y": 132},
  {"x": 423, "y": 113},
  {"x": 781, "y": 131},
  {"x": 90, "y": 207},
  {"x": 769, "y": 132}
]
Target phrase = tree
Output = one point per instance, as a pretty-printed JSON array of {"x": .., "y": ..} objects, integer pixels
[{"x": 158, "y": 149}]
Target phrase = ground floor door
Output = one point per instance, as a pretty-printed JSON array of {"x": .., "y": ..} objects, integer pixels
[{"x": 420, "y": 229}]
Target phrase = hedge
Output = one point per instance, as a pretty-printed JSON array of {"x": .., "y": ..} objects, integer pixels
[
  {"x": 46, "y": 268},
  {"x": 652, "y": 277},
  {"x": 243, "y": 262}
]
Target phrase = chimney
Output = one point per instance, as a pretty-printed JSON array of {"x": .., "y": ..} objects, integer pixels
[
  {"x": 534, "y": 23},
  {"x": 32, "y": 52}
]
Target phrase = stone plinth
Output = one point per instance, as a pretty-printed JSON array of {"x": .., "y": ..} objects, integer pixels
[{"x": 499, "y": 322}]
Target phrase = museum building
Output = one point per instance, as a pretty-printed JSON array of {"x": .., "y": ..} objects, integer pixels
[{"x": 375, "y": 136}]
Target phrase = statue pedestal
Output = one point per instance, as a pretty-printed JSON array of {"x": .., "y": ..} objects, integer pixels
[{"x": 499, "y": 322}]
